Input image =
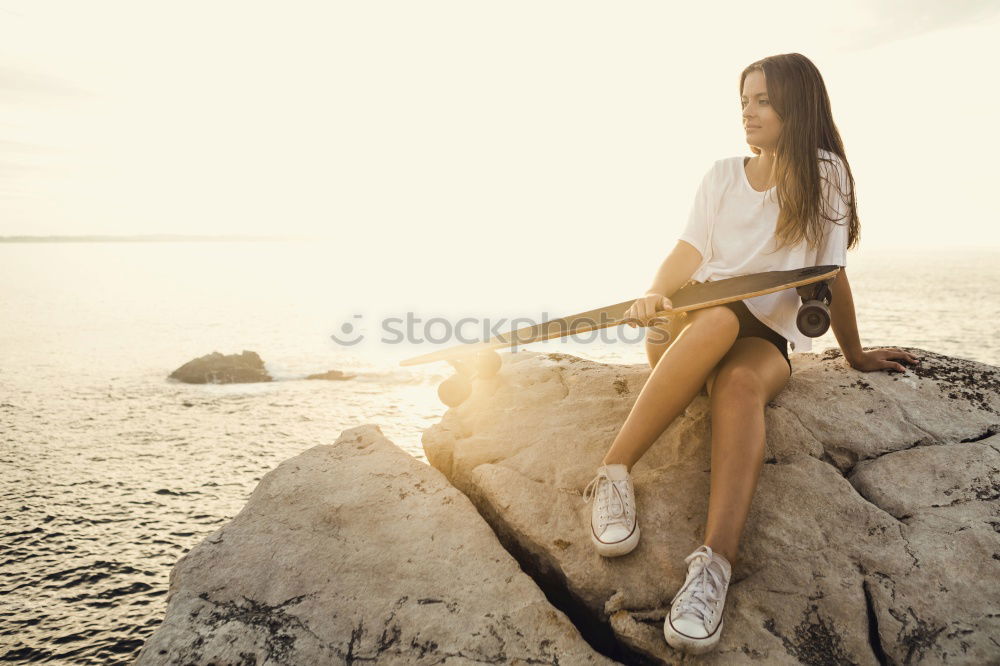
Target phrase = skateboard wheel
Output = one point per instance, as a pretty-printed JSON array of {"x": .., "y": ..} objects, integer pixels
[
  {"x": 454, "y": 390},
  {"x": 488, "y": 363},
  {"x": 463, "y": 366},
  {"x": 813, "y": 319}
]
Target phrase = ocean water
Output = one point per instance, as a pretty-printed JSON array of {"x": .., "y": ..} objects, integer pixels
[{"x": 110, "y": 472}]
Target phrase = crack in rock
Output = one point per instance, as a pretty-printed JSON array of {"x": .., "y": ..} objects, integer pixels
[
  {"x": 991, "y": 430},
  {"x": 907, "y": 547},
  {"x": 948, "y": 370},
  {"x": 874, "y": 639}
]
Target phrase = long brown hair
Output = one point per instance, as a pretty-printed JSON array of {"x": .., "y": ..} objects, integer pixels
[{"x": 796, "y": 91}]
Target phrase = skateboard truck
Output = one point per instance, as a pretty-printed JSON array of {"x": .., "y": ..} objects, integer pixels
[{"x": 813, "y": 318}]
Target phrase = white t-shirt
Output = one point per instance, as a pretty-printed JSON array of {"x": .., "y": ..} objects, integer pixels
[{"x": 732, "y": 227}]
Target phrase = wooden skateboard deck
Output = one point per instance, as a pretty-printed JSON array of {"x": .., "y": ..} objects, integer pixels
[{"x": 692, "y": 297}]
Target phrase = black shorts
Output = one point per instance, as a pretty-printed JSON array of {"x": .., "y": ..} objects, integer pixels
[{"x": 751, "y": 327}]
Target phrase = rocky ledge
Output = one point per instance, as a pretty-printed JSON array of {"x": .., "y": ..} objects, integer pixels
[
  {"x": 873, "y": 538},
  {"x": 358, "y": 553},
  {"x": 874, "y": 534}
]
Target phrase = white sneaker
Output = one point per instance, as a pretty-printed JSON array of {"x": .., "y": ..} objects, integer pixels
[
  {"x": 694, "y": 623},
  {"x": 614, "y": 528}
]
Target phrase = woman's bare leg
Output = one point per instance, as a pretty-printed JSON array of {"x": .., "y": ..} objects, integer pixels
[
  {"x": 750, "y": 376},
  {"x": 674, "y": 381}
]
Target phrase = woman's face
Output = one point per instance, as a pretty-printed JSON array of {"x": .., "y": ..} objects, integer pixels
[{"x": 761, "y": 124}]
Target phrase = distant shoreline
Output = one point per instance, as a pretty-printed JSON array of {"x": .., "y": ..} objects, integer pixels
[
  {"x": 194, "y": 238},
  {"x": 148, "y": 238}
]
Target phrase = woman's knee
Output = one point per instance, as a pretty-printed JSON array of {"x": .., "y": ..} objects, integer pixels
[
  {"x": 740, "y": 383},
  {"x": 717, "y": 317},
  {"x": 660, "y": 336},
  {"x": 717, "y": 320}
]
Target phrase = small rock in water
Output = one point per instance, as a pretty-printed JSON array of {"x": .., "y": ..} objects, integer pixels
[
  {"x": 331, "y": 374},
  {"x": 216, "y": 368}
]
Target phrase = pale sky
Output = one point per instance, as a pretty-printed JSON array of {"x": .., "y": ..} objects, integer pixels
[{"x": 505, "y": 131}]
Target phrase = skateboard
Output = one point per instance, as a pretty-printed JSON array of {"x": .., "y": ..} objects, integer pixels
[{"x": 480, "y": 359}]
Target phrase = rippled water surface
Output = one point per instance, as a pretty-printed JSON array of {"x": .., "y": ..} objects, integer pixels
[{"x": 110, "y": 472}]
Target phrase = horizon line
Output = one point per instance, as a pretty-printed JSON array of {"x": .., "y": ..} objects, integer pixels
[
  {"x": 148, "y": 238},
  {"x": 161, "y": 238}
]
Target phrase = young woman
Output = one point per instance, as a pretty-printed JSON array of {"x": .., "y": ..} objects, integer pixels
[{"x": 790, "y": 205}]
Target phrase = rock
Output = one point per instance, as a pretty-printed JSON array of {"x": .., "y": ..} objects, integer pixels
[
  {"x": 216, "y": 368},
  {"x": 331, "y": 374},
  {"x": 358, "y": 553},
  {"x": 873, "y": 536}
]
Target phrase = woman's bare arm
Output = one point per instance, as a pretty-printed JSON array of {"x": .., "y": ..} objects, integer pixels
[
  {"x": 843, "y": 319},
  {"x": 845, "y": 327},
  {"x": 676, "y": 269}
]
